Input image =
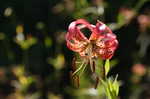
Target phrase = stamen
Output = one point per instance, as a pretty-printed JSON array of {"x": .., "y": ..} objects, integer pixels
[
  {"x": 93, "y": 66},
  {"x": 83, "y": 69},
  {"x": 70, "y": 74},
  {"x": 75, "y": 80},
  {"x": 74, "y": 64},
  {"x": 97, "y": 82},
  {"x": 78, "y": 69},
  {"x": 78, "y": 81}
]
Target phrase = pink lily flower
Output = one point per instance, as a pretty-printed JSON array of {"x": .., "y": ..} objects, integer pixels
[{"x": 101, "y": 43}]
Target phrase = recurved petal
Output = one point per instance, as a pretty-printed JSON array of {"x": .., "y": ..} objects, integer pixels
[
  {"x": 106, "y": 46},
  {"x": 111, "y": 40},
  {"x": 74, "y": 32},
  {"x": 76, "y": 40},
  {"x": 76, "y": 45},
  {"x": 102, "y": 28}
]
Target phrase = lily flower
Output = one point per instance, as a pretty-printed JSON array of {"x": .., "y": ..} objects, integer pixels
[{"x": 101, "y": 43}]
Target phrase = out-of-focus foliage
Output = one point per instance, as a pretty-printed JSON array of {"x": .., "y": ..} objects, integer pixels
[{"x": 35, "y": 62}]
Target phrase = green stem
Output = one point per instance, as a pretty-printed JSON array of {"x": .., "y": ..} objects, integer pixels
[
  {"x": 78, "y": 69},
  {"x": 104, "y": 76}
]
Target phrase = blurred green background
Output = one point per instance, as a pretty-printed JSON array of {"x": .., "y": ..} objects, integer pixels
[{"x": 35, "y": 62}]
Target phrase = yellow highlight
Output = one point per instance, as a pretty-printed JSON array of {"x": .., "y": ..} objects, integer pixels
[
  {"x": 23, "y": 80},
  {"x": 19, "y": 29}
]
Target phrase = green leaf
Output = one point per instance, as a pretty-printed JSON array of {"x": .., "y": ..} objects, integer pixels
[
  {"x": 110, "y": 84},
  {"x": 116, "y": 86},
  {"x": 108, "y": 93},
  {"x": 107, "y": 88},
  {"x": 107, "y": 67},
  {"x": 111, "y": 87}
]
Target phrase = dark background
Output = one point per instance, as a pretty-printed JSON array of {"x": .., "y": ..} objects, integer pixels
[{"x": 35, "y": 62}]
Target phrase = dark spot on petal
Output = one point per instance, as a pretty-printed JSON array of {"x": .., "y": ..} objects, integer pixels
[
  {"x": 86, "y": 54},
  {"x": 110, "y": 51},
  {"x": 72, "y": 41}
]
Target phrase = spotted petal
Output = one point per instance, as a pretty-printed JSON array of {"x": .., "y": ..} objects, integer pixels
[
  {"x": 106, "y": 45},
  {"x": 102, "y": 41},
  {"x": 76, "y": 40}
]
